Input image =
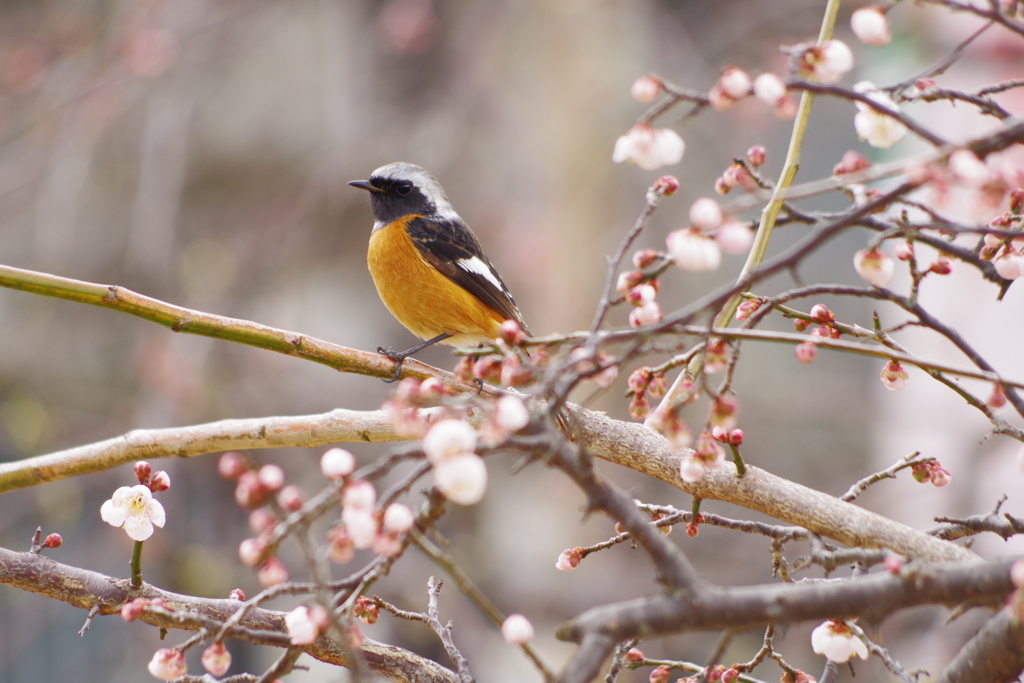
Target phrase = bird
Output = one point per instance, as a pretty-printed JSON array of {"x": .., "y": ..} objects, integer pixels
[{"x": 428, "y": 266}]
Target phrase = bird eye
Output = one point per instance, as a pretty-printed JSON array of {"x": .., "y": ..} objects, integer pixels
[{"x": 405, "y": 188}]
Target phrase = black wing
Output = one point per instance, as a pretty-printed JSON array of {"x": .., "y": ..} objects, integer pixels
[{"x": 453, "y": 249}]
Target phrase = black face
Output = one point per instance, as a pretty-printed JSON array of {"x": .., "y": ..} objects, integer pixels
[{"x": 392, "y": 199}]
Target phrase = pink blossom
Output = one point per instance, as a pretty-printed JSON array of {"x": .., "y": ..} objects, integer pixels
[
  {"x": 968, "y": 168},
  {"x": 272, "y": 573},
  {"x": 806, "y": 352},
  {"x": 641, "y": 295},
  {"x": 1009, "y": 264},
  {"x": 167, "y": 664},
  {"x": 305, "y": 625},
  {"x": 517, "y": 630},
  {"x": 231, "y": 465},
  {"x": 735, "y": 83},
  {"x": 361, "y": 524},
  {"x": 645, "y": 89},
  {"x": 691, "y": 469},
  {"x": 250, "y": 551},
  {"x": 271, "y": 477},
  {"x": 359, "y": 494},
  {"x": 649, "y": 148}
]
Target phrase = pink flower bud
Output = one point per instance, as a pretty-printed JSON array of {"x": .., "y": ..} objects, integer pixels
[
  {"x": 893, "y": 564},
  {"x": 799, "y": 324},
  {"x": 340, "y": 547},
  {"x": 757, "y": 155},
  {"x": 643, "y": 259},
  {"x": 806, "y": 352},
  {"x": 132, "y": 610},
  {"x": 1009, "y": 265},
  {"x": 821, "y": 315},
  {"x": 705, "y": 214},
  {"x": 237, "y": 594},
  {"x": 361, "y": 524},
  {"x": 722, "y": 186},
  {"x": 517, "y": 630},
  {"x": 666, "y": 185},
  {"x": 359, "y": 494},
  {"x": 231, "y": 465},
  {"x": 998, "y": 397},
  {"x": 942, "y": 266},
  {"x": 770, "y": 89},
  {"x": 731, "y": 675},
  {"x": 250, "y": 551},
  {"x": 302, "y": 626},
  {"x": 736, "y": 437},
  {"x": 143, "y": 470},
  {"x": 691, "y": 469},
  {"x": 658, "y": 386},
  {"x": 641, "y": 295},
  {"x": 53, "y": 541},
  {"x": 628, "y": 280},
  {"x": 904, "y": 251},
  {"x": 291, "y": 498},
  {"x": 851, "y": 162},
  {"x": 272, "y": 573},
  {"x": 923, "y": 84},
  {"x": 692, "y": 530},
  {"x": 271, "y": 477},
  {"x": 648, "y": 314},
  {"x": 216, "y": 659},
  {"x": 167, "y": 664},
  {"x": 735, "y": 83},
  {"x": 262, "y": 520},
  {"x": 638, "y": 406},
  {"x": 638, "y": 380},
  {"x": 660, "y": 674},
  {"x": 398, "y": 519},
  {"x": 646, "y": 89},
  {"x": 870, "y": 26},
  {"x": 874, "y": 266},
  {"x": 249, "y": 491},
  {"x": 512, "y": 333},
  {"x": 940, "y": 477},
  {"x": 1017, "y": 573},
  {"x": 569, "y": 559},
  {"x": 487, "y": 369},
  {"x": 893, "y": 376},
  {"x": 1016, "y": 200},
  {"x": 337, "y": 463},
  {"x": 160, "y": 481},
  {"x": 635, "y": 656},
  {"x": 718, "y": 99}
]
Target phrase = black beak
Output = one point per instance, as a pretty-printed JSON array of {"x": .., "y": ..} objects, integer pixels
[{"x": 365, "y": 185}]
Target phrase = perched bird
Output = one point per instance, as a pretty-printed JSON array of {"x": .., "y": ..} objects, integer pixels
[{"x": 428, "y": 266}]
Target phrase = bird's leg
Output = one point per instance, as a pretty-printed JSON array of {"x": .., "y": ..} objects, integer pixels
[{"x": 400, "y": 357}]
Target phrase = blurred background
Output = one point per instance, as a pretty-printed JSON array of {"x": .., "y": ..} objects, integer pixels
[{"x": 197, "y": 151}]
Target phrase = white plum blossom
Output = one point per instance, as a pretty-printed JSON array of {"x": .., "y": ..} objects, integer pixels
[
  {"x": 735, "y": 83},
  {"x": 361, "y": 525},
  {"x": 828, "y": 62},
  {"x": 770, "y": 89},
  {"x": 449, "y": 438},
  {"x": 398, "y": 519},
  {"x": 734, "y": 237},
  {"x": 134, "y": 509},
  {"x": 304, "y": 625},
  {"x": 648, "y": 314},
  {"x": 1009, "y": 264},
  {"x": 461, "y": 478},
  {"x": 517, "y": 630},
  {"x": 359, "y": 494},
  {"x": 874, "y": 266},
  {"x": 337, "y": 463},
  {"x": 705, "y": 214},
  {"x": 836, "y": 641},
  {"x": 871, "y": 26},
  {"x": 649, "y": 148},
  {"x": 511, "y": 413},
  {"x": 968, "y": 168},
  {"x": 694, "y": 251},
  {"x": 877, "y": 129},
  {"x": 167, "y": 664}
]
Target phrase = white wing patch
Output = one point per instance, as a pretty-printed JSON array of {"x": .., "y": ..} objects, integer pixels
[{"x": 475, "y": 265}]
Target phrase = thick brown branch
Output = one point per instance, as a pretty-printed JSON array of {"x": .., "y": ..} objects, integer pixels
[{"x": 85, "y": 589}]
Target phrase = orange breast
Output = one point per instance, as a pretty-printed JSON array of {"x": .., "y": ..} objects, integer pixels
[{"x": 421, "y": 298}]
